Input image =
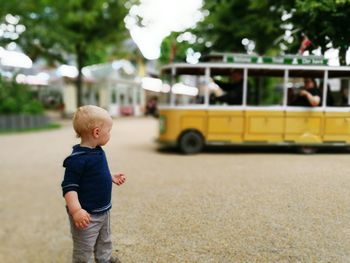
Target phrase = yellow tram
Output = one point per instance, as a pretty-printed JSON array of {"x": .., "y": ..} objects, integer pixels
[{"x": 191, "y": 118}]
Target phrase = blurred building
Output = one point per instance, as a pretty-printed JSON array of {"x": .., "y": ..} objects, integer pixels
[{"x": 114, "y": 86}]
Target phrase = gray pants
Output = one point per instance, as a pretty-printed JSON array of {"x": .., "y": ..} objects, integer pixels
[{"x": 93, "y": 240}]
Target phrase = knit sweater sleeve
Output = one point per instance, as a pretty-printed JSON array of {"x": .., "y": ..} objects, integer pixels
[{"x": 72, "y": 176}]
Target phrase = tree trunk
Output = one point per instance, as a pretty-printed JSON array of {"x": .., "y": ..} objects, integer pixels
[{"x": 79, "y": 80}]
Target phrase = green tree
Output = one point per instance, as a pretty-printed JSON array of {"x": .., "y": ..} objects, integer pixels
[
  {"x": 86, "y": 31},
  {"x": 324, "y": 22},
  {"x": 230, "y": 21},
  {"x": 173, "y": 50}
]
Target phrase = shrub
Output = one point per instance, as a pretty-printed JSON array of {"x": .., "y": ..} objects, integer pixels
[
  {"x": 33, "y": 107},
  {"x": 17, "y": 98},
  {"x": 8, "y": 105}
]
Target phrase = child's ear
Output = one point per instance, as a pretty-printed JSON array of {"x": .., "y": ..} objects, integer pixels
[{"x": 96, "y": 132}]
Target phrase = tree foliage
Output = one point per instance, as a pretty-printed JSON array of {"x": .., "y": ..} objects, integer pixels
[
  {"x": 264, "y": 22},
  {"x": 85, "y": 31},
  {"x": 174, "y": 50},
  {"x": 324, "y": 22},
  {"x": 230, "y": 21}
]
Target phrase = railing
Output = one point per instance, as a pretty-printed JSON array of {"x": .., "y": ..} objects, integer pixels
[{"x": 22, "y": 121}]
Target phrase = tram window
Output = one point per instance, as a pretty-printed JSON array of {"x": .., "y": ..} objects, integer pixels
[
  {"x": 164, "y": 90},
  {"x": 337, "y": 92},
  {"x": 345, "y": 101},
  {"x": 183, "y": 90},
  {"x": 298, "y": 88},
  {"x": 164, "y": 96},
  {"x": 265, "y": 91},
  {"x": 181, "y": 99},
  {"x": 189, "y": 90},
  {"x": 227, "y": 89}
]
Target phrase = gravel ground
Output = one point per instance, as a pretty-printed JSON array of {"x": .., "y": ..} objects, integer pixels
[{"x": 218, "y": 206}]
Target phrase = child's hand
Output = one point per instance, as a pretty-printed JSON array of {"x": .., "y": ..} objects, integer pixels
[
  {"x": 81, "y": 219},
  {"x": 118, "y": 178}
]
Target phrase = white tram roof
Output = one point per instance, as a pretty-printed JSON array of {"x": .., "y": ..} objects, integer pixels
[{"x": 258, "y": 67}]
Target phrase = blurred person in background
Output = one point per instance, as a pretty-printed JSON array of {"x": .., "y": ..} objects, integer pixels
[
  {"x": 233, "y": 89},
  {"x": 152, "y": 107},
  {"x": 309, "y": 95}
]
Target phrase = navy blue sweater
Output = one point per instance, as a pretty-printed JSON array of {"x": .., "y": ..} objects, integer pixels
[{"x": 88, "y": 174}]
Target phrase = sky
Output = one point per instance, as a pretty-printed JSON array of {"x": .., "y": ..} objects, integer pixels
[{"x": 159, "y": 19}]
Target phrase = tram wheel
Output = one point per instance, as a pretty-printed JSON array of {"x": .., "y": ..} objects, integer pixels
[
  {"x": 191, "y": 142},
  {"x": 307, "y": 149}
]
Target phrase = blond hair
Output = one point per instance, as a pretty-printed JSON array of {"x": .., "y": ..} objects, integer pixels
[{"x": 87, "y": 118}]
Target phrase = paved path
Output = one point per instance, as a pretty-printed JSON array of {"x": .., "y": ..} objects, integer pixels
[{"x": 223, "y": 206}]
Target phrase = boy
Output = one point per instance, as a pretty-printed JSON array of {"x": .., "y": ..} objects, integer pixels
[{"x": 87, "y": 186}]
